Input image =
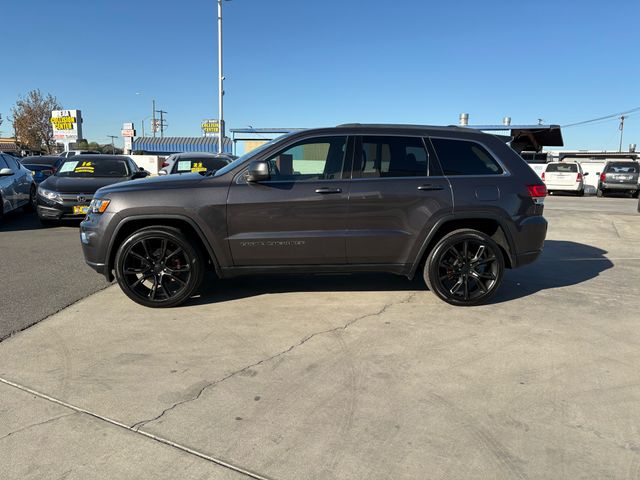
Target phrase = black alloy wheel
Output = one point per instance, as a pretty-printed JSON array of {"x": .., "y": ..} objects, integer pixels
[
  {"x": 31, "y": 206},
  {"x": 465, "y": 268},
  {"x": 158, "y": 267}
]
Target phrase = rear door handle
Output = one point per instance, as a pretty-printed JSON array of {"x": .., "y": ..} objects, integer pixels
[
  {"x": 325, "y": 190},
  {"x": 430, "y": 187}
]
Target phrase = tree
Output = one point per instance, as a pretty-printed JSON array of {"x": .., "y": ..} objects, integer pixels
[{"x": 31, "y": 120}]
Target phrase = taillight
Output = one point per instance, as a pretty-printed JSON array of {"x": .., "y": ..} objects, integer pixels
[
  {"x": 579, "y": 177},
  {"x": 603, "y": 177},
  {"x": 542, "y": 176},
  {"x": 164, "y": 164},
  {"x": 537, "y": 191}
]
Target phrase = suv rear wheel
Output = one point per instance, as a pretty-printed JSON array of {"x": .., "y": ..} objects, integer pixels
[
  {"x": 465, "y": 268},
  {"x": 158, "y": 267}
]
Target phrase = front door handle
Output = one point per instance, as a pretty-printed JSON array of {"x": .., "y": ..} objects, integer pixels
[
  {"x": 429, "y": 187},
  {"x": 325, "y": 190}
]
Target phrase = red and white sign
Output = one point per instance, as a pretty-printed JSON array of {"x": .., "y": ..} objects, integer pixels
[{"x": 128, "y": 133}]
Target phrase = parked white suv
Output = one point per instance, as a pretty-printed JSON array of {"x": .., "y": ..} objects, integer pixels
[{"x": 564, "y": 177}]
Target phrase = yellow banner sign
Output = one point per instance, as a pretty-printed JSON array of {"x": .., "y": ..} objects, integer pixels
[{"x": 63, "y": 123}]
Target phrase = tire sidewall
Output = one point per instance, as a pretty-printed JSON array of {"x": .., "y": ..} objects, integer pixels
[
  {"x": 195, "y": 261},
  {"x": 431, "y": 266}
]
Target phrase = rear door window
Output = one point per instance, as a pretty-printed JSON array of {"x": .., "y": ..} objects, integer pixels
[
  {"x": 464, "y": 157},
  {"x": 622, "y": 168},
  {"x": 389, "y": 157},
  {"x": 562, "y": 168}
]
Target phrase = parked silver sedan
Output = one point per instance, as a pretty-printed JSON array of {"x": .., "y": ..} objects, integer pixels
[{"x": 17, "y": 188}]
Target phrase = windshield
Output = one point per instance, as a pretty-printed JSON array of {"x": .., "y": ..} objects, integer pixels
[
  {"x": 238, "y": 161},
  {"x": 562, "y": 167},
  {"x": 199, "y": 164},
  {"x": 111, "y": 167}
]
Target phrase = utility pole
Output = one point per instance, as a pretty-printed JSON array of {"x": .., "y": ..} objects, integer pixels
[
  {"x": 220, "y": 80},
  {"x": 162, "y": 124},
  {"x": 113, "y": 147},
  {"x": 621, "y": 128},
  {"x": 153, "y": 116}
]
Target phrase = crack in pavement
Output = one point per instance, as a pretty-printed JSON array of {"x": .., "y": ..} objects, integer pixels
[
  {"x": 28, "y": 427},
  {"x": 139, "y": 425}
]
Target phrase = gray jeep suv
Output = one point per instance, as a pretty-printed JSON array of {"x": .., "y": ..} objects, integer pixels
[{"x": 454, "y": 205}]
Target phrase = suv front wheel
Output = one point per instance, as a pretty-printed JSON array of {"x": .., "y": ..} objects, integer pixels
[
  {"x": 158, "y": 267},
  {"x": 465, "y": 268}
]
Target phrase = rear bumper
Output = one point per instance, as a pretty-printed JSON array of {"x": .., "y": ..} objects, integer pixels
[
  {"x": 566, "y": 188},
  {"x": 619, "y": 186},
  {"x": 529, "y": 240}
]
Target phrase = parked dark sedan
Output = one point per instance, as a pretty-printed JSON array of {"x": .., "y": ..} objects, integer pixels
[
  {"x": 67, "y": 194},
  {"x": 42, "y": 167}
]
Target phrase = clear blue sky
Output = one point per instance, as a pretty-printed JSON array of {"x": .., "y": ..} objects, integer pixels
[{"x": 307, "y": 63}]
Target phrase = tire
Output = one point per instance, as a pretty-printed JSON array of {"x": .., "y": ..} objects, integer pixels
[
  {"x": 31, "y": 206},
  {"x": 1, "y": 209},
  {"x": 580, "y": 193},
  {"x": 159, "y": 267},
  {"x": 635, "y": 194},
  {"x": 464, "y": 275}
]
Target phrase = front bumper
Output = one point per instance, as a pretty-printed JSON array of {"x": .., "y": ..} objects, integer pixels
[
  {"x": 54, "y": 210},
  {"x": 92, "y": 239}
]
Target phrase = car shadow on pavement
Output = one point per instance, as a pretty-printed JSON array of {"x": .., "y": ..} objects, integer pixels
[
  {"x": 19, "y": 221},
  {"x": 561, "y": 264},
  {"x": 214, "y": 290}
]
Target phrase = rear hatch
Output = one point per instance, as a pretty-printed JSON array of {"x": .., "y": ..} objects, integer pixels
[
  {"x": 562, "y": 174},
  {"x": 622, "y": 172}
]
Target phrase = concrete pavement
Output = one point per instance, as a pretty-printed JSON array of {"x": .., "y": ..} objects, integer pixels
[{"x": 345, "y": 377}]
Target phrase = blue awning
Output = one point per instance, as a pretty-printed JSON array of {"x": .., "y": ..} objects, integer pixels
[{"x": 180, "y": 144}]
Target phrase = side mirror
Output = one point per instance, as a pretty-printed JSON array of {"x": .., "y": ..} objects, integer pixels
[
  {"x": 140, "y": 174},
  {"x": 258, "y": 171},
  {"x": 585, "y": 174},
  {"x": 6, "y": 172},
  {"x": 162, "y": 172}
]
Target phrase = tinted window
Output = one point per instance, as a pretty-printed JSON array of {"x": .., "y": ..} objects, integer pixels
[
  {"x": 459, "y": 157},
  {"x": 40, "y": 161},
  {"x": 622, "y": 168},
  {"x": 94, "y": 168},
  {"x": 391, "y": 157},
  {"x": 198, "y": 164},
  {"x": 562, "y": 167},
  {"x": 13, "y": 165},
  {"x": 312, "y": 159}
]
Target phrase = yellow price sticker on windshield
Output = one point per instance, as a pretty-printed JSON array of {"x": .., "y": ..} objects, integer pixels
[
  {"x": 198, "y": 167},
  {"x": 85, "y": 167}
]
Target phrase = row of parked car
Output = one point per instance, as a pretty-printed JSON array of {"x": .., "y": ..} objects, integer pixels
[
  {"x": 616, "y": 177},
  {"x": 62, "y": 186}
]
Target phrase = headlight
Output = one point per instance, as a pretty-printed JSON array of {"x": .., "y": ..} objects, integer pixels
[
  {"x": 98, "y": 205},
  {"x": 49, "y": 195}
]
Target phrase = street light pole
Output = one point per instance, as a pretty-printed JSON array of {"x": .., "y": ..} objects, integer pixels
[{"x": 220, "y": 80}]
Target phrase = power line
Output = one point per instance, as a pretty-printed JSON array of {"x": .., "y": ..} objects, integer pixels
[{"x": 606, "y": 117}]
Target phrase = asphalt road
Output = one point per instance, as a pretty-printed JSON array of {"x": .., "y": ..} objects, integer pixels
[{"x": 42, "y": 271}]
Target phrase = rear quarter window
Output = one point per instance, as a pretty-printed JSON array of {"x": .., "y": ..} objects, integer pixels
[{"x": 463, "y": 157}]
